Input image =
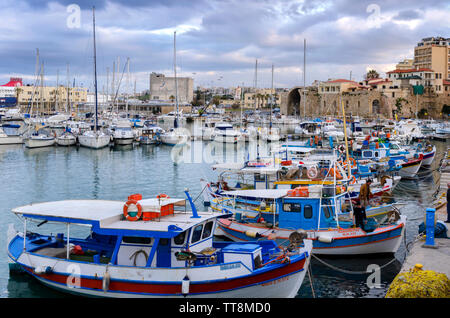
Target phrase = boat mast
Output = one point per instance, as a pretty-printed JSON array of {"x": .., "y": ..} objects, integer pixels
[
  {"x": 271, "y": 102},
  {"x": 95, "y": 69},
  {"x": 42, "y": 89},
  {"x": 176, "y": 80},
  {"x": 128, "y": 83},
  {"x": 68, "y": 108},
  {"x": 304, "y": 78},
  {"x": 57, "y": 91},
  {"x": 35, "y": 82}
]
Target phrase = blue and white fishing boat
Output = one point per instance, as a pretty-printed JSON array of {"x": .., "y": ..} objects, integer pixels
[
  {"x": 321, "y": 211},
  {"x": 151, "y": 248}
]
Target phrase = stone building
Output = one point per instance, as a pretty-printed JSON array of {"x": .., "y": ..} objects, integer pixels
[{"x": 162, "y": 88}]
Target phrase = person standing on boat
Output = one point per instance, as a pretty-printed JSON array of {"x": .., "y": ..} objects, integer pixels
[
  {"x": 364, "y": 193},
  {"x": 359, "y": 212}
]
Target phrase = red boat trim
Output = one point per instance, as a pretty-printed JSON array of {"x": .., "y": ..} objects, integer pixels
[{"x": 174, "y": 288}]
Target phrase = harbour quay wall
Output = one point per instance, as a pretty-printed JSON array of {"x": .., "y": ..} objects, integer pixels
[{"x": 364, "y": 103}]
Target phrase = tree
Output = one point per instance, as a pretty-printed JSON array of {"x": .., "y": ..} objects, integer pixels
[
  {"x": 216, "y": 100},
  {"x": 399, "y": 105},
  {"x": 372, "y": 74}
]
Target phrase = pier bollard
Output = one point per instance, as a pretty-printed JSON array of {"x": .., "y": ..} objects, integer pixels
[{"x": 430, "y": 218}]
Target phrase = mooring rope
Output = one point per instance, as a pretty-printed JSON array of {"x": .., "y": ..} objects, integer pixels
[{"x": 349, "y": 271}]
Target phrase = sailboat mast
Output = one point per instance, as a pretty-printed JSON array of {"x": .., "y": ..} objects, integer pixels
[
  {"x": 128, "y": 83},
  {"x": 304, "y": 78},
  {"x": 95, "y": 69},
  {"x": 271, "y": 101},
  {"x": 68, "y": 108}
]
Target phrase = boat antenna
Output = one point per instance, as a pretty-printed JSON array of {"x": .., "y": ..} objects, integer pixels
[{"x": 95, "y": 69}]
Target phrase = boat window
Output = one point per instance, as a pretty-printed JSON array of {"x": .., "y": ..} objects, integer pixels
[
  {"x": 367, "y": 154},
  {"x": 260, "y": 177},
  {"x": 164, "y": 241},
  {"x": 326, "y": 212},
  {"x": 307, "y": 212},
  {"x": 179, "y": 239},
  {"x": 136, "y": 240},
  {"x": 326, "y": 209},
  {"x": 208, "y": 229},
  {"x": 197, "y": 233},
  {"x": 292, "y": 207}
]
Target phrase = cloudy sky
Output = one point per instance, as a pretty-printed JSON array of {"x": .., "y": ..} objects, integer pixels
[{"x": 218, "y": 41}]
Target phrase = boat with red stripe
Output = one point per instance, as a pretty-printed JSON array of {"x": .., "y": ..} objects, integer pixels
[{"x": 151, "y": 248}]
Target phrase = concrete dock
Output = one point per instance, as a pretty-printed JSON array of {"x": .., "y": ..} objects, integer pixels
[{"x": 435, "y": 259}]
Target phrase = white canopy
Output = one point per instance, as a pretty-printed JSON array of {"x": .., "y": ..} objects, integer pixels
[{"x": 263, "y": 194}]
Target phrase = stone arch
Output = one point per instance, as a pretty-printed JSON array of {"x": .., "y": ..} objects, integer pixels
[{"x": 293, "y": 101}]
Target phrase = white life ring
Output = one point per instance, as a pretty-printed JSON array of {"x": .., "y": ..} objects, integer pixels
[{"x": 312, "y": 172}]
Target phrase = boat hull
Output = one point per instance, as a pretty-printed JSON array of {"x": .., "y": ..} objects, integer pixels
[
  {"x": 229, "y": 280},
  {"x": 38, "y": 143},
  {"x": 65, "y": 142},
  {"x": 123, "y": 141},
  {"x": 410, "y": 169},
  {"x": 428, "y": 158},
  {"x": 11, "y": 140},
  {"x": 94, "y": 142},
  {"x": 352, "y": 241}
]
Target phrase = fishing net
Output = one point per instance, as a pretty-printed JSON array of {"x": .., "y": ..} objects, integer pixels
[{"x": 419, "y": 284}]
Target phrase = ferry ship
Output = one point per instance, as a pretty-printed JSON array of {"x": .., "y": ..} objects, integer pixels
[{"x": 8, "y": 95}]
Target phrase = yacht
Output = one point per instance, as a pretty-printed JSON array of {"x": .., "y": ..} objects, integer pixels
[
  {"x": 39, "y": 139},
  {"x": 225, "y": 133},
  {"x": 123, "y": 134}
]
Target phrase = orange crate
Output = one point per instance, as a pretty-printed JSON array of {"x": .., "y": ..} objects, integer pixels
[
  {"x": 302, "y": 192},
  {"x": 167, "y": 210},
  {"x": 147, "y": 216}
]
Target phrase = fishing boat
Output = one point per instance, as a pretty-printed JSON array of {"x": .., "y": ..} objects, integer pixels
[
  {"x": 151, "y": 135},
  {"x": 151, "y": 248}
]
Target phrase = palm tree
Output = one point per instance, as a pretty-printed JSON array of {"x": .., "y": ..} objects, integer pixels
[{"x": 372, "y": 74}]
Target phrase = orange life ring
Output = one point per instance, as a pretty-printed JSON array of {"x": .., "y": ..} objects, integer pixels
[
  {"x": 162, "y": 196},
  {"x": 352, "y": 180},
  {"x": 127, "y": 215}
]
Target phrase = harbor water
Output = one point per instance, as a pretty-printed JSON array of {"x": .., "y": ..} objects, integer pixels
[{"x": 113, "y": 173}]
